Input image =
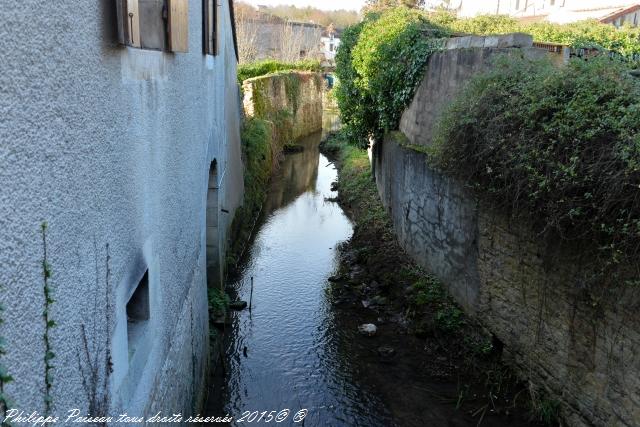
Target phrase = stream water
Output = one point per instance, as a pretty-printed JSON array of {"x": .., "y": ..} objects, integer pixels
[
  {"x": 293, "y": 351},
  {"x": 292, "y": 359}
]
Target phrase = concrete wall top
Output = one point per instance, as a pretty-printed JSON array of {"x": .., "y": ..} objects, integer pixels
[
  {"x": 449, "y": 71},
  {"x": 495, "y": 41}
]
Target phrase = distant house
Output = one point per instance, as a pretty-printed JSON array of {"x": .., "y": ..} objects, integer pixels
[
  {"x": 286, "y": 40},
  {"x": 330, "y": 42},
  {"x": 613, "y": 12}
]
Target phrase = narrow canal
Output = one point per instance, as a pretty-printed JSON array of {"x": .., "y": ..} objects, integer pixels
[
  {"x": 291, "y": 338},
  {"x": 294, "y": 356}
]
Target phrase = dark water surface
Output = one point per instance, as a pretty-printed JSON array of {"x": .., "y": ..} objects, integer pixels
[
  {"x": 302, "y": 353},
  {"x": 293, "y": 360}
]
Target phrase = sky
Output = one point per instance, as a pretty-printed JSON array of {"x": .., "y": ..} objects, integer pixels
[{"x": 322, "y": 4}]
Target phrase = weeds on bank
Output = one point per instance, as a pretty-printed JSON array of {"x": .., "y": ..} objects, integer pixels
[
  {"x": 358, "y": 191},
  {"x": 431, "y": 311},
  {"x": 218, "y": 301}
]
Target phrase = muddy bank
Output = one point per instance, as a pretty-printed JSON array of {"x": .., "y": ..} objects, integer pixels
[{"x": 427, "y": 361}]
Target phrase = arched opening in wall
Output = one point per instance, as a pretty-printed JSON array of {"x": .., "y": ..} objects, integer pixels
[{"x": 214, "y": 274}]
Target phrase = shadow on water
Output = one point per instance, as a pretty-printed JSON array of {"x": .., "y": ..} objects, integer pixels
[
  {"x": 292, "y": 355},
  {"x": 293, "y": 351}
]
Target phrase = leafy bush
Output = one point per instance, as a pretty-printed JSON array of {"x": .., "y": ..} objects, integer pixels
[
  {"x": 381, "y": 60},
  {"x": 563, "y": 143},
  {"x": 428, "y": 290},
  {"x": 218, "y": 301},
  {"x": 449, "y": 318},
  {"x": 380, "y": 63},
  {"x": 357, "y": 112},
  {"x": 270, "y": 66}
]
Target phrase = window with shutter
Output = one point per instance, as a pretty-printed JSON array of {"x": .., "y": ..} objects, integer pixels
[
  {"x": 210, "y": 27},
  {"x": 154, "y": 24}
]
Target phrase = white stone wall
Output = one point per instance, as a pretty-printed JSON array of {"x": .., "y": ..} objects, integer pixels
[{"x": 111, "y": 146}]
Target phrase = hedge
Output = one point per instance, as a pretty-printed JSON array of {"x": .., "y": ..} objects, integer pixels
[
  {"x": 381, "y": 60},
  {"x": 270, "y": 66}
]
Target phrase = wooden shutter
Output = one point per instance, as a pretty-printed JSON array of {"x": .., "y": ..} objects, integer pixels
[
  {"x": 179, "y": 25},
  {"x": 128, "y": 22},
  {"x": 210, "y": 27}
]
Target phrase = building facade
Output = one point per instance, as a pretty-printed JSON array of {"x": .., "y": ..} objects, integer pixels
[
  {"x": 120, "y": 169},
  {"x": 330, "y": 43},
  {"x": 287, "y": 41}
]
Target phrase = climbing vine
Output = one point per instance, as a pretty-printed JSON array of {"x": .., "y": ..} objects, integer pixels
[
  {"x": 48, "y": 322},
  {"x": 381, "y": 60},
  {"x": 379, "y": 65}
]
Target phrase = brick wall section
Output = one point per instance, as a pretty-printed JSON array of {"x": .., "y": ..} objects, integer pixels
[{"x": 526, "y": 289}]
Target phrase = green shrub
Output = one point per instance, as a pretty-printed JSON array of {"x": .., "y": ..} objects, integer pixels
[
  {"x": 380, "y": 63},
  {"x": 218, "y": 301},
  {"x": 481, "y": 24},
  {"x": 428, "y": 290},
  {"x": 563, "y": 143},
  {"x": 257, "y": 152},
  {"x": 381, "y": 60},
  {"x": 270, "y": 66},
  {"x": 449, "y": 318}
]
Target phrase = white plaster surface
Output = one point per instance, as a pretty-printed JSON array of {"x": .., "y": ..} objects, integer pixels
[{"x": 110, "y": 146}]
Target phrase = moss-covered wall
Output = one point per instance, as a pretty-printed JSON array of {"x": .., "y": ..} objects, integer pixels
[
  {"x": 278, "y": 108},
  {"x": 292, "y": 101}
]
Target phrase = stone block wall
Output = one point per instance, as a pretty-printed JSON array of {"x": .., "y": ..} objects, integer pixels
[
  {"x": 582, "y": 350},
  {"x": 449, "y": 70},
  {"x": 291, "y": 100},
  {"x": 577, "y": 342}
]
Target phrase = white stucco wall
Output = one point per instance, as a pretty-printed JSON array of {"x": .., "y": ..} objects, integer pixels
[{"x": 110, "y": 146}]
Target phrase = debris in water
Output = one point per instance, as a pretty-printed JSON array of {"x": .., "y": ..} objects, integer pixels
[
  {"x": 368, "y": 329},
  {"x": 238, "y": 305}
]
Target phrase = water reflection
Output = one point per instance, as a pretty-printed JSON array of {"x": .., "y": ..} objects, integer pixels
[
  {"x": 296, "y": 175},
  {"x": 291, "y": 338}
]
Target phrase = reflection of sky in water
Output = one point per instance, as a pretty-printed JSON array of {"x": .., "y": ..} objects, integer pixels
[{"x": 293, "y": 361}]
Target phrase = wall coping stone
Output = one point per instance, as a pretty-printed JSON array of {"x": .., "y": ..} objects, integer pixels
[{"x": 496, "y": 41}]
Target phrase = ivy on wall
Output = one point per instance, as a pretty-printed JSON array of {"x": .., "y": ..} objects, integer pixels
[
  {"x": 49, "y": 355},
  {"x": 379, "y": 64},
  {"x": 381, "y": 60}
]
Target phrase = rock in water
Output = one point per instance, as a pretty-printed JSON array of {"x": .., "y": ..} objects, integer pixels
[
  {"x": 386, "y": 352},
  {"x": 368, "y": 329},
  {"x": 238, "y": 305}
]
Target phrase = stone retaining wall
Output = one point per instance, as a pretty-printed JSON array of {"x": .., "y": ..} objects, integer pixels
[
  {"x": 291, "y": 100},
  {"x": 578, "y": 344}
]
